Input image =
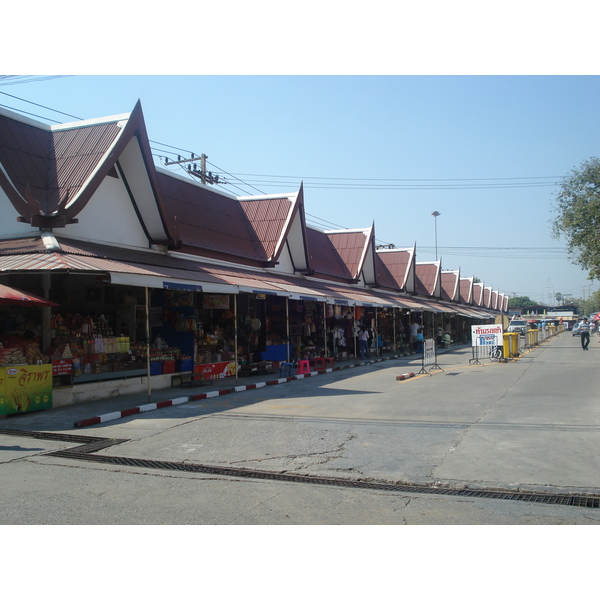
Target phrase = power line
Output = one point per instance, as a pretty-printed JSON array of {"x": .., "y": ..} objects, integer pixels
[
  {"x": 23, "y": 112},
  {"x": 402, "y": 179},
  {"x": 374, "y": 185},
  {"x": 42, "y": 106},
  {"x": 18, "y": 79},
  {"x": 343, "y": 183}
]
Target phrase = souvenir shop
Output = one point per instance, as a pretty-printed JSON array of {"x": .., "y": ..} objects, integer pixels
[{"x": 98, "y": 331}]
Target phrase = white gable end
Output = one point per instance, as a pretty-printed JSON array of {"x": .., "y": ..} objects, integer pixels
[
  {"x": 9, "y": 226},
  {"x": 109, "y": 217}
]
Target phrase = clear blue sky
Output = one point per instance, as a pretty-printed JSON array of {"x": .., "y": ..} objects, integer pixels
[{"x": 485, "y": 151}]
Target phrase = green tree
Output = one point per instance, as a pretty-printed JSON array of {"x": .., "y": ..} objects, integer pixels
[
  {"x": 520, "y": 302},
  {"x": 578, "y": 216},
  {"x": 589, "y": 305}
]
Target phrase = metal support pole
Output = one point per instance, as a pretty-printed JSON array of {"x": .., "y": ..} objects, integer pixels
[
  {"x": 148, "y": 343},
  {"x": 46, "y": 313},
  {"x": 394, "y": 328},
  {"x": 287, "y": 327},
  {"x": 354, "y": 329},
  {"x": 235, "y": 335},
  {"x": 376, "y": 336},
  {"x": 325, "y": 326}
]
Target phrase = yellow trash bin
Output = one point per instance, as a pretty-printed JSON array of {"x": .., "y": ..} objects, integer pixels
[{"x": 511, "y": 344}]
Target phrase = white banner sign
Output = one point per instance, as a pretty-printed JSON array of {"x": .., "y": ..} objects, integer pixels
[
  {"x": 486, "y": 335},
  {"x": 429, "y": 354}
]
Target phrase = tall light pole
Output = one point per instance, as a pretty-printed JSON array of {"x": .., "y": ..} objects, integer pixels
[{"x": 435, "y": 214}]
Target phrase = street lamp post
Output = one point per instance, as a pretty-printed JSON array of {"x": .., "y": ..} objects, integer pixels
[{"x": 435, "y": 214}]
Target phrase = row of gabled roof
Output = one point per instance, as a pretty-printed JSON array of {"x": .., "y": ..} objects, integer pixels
[{"x": 51, "y": 175}]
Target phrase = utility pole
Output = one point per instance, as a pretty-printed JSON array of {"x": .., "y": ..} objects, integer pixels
[
  {"x": 204, "y": 176},
  {"x": 585, "y": 288},
  {"x": 435, "y": 214}
]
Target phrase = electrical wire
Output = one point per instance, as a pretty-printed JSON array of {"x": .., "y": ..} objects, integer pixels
[
  {"x": 23, "y": 112},
  {"x": 18, "y": 79},
  {"x": 349, "y": 183},
  {"x": 42, "y": 106},
  {"x": 353, "y": 183}
]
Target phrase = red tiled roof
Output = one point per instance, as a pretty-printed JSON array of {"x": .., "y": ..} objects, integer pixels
[
  {"x": 486, "y": 297},
  {"x": 449, "y": 282},
  {"x": 25, "y": 155},
  {"x": 477, "y": 293},
  {"x": 466, "y": 288},
  {"x": 351, "y": 247},
  {"x": 494, "y": 299},
  {"x": 268, "y": 218},
  {"x": 50, "y": 174},
  {"x": 393, "y": 267},
  {"x": 51, "y": 167},
  {"x": 426, "y": 278},
  {"x": 210, "y": 224},
  {"x": 325, "y": 260},
  {"x": 384, "y": 276}
]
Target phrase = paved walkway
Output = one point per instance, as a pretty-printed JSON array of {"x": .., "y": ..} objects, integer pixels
[{"x": 87, "y": 414}]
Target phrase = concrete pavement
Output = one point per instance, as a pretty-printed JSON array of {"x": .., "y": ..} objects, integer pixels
[{"x": 96, "y": 412}]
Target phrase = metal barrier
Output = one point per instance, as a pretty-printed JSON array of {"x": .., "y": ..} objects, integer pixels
[
  {"x": 513, "y": 344},
  {"x": 490, "y": 352}
]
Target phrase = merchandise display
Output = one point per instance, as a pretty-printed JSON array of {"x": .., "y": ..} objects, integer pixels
[
  {"x": 20, "y": 350},
  {"x": 100, "y": 333}
]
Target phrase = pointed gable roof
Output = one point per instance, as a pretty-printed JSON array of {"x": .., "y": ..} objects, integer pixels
[
  {"x": 450, "y": 285},
  {"x": 396, "y": 268},
  {"x": 356, "y": 248},
  {"x": 487, "y": 297},
  {"x": 279, "y": 220},
  {"x": 385, "y": 278},
  {"x": 494, "y": 299},
  {"x": 428, "y": 281},
  {"x": 478, "y": 294},
  {"x": 324, "y": 258},
  {"x": 466, "y": 290},
  {"x": 210, "y": 223},
  {"x": 50, "y": 173}
]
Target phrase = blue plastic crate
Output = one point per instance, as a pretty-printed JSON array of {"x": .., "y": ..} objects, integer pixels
[
  {"x": 156, "y": 368},
  {"x": 185, "y": 365}
]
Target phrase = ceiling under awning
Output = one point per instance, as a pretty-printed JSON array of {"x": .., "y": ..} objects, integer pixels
[
  {"x": 120, "y": 273},
  {"x": 163, "y": 271}
]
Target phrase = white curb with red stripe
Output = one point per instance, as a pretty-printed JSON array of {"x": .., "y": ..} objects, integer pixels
[{"x": 242, "y": 388}]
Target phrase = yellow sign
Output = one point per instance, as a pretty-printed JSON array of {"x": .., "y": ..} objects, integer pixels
[{"x": 25, "y": 388}]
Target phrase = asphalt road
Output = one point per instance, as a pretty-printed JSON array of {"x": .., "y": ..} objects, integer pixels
[{"x": 529, "y": 425}]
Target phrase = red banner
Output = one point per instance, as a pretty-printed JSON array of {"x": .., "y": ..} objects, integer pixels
[{"x": 216, "y": 370}]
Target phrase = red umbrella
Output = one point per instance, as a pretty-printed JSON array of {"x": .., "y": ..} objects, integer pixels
[{"x": 9, "y": 295}]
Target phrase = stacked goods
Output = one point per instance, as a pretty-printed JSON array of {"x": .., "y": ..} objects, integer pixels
[
  {"x": 12, "y": 356},
  {"x": 16, "y": 350},
  {"x": 62, "y": 351},
  {"x": 33, "y": 354}
]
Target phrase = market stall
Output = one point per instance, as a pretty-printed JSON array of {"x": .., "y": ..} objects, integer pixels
[{"x": 25, "y": 372}]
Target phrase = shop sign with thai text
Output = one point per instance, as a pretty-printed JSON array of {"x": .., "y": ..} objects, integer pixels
[
  {"x": 25, "y": 388},
  {"x": 62, "y": 367},
  {"x": 486, "y": 335}
]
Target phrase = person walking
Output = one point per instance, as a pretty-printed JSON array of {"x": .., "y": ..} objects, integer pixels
[
  {"x": 363, "y": 342},
  {"x": 584, "y": 327},
  {"x": 414, "y": 332}
]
